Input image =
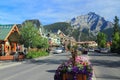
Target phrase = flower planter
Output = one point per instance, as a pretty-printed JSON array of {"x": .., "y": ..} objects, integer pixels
[
  {"x": 81, "y": 70},
  {"x": 67, "y": 76}
]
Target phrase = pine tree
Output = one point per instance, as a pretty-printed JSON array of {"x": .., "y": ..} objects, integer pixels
[
  {"x": 101, "y": 39},
  {"x": 116, "y": 37},
  {"x": 116, "y": 25}
]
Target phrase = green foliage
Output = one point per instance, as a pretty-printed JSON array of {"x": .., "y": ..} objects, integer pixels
[
  {"x": 43, "y": 43},
  {"x": 116, "y": 24},
  {"x": 116, "y": 36},
  {"x": 101, "y": 39},
  {"x": 30, "y": 37},
  {"x": 116, "y": 43},
  {"x": 35, "y": 54}
]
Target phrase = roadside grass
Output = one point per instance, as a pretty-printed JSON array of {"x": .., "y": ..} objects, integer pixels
[{"x": 36, "y": 54}]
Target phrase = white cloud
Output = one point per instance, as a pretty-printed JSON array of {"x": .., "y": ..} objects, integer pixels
[{"x": 56, "y": 10}]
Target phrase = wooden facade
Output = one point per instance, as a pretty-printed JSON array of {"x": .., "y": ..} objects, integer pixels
[{"x": 9, "y": 41}]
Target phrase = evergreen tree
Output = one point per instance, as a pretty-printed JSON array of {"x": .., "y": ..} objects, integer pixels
[
  {"x": 116, "y": 37},
  {"x": 116, "y": 43},
  {"x": 116, "y": 25},
  {"x": 101, "y": 40}
]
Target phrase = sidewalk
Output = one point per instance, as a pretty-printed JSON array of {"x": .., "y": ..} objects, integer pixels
[{"x": 6, "y": 64}]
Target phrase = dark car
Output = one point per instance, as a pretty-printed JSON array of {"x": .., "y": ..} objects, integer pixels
[{"x": 97, "y": 50}]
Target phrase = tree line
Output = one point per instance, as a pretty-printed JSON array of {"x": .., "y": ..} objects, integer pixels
[{"x": 115, "y": 37}]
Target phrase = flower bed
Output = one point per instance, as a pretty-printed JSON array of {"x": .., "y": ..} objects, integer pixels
[{"x": 82, "y": 70}]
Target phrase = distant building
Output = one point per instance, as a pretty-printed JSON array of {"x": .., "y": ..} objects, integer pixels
[{"x": 88, "y": 43}]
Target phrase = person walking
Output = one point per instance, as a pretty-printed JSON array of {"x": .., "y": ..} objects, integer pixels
[{"x": 16, "y": 56}]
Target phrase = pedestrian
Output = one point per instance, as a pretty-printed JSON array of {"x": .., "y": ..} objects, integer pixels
[
  {"x": 25, "y": 52},
  {"x": 16, "y": 56}
]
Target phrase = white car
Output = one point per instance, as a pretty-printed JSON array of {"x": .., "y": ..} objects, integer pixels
[
  {"x": 104, "y": 50},
  {"x": 91, "y": 49},
  {"x": 58, "y": 50}
]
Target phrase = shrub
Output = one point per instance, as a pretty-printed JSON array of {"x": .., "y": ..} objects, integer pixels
[{"x": 35, "y": 54}]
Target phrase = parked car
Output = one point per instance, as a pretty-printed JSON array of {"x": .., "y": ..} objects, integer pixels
[
  {"x": 91, "y": 49},
  {"x": 58, "y": 50},
  {"x": 104, "y": 50},
  {"x": 97, "y": 50},
  {"x": 81, "y": 49},
  {"x": 85, "y": 51}
]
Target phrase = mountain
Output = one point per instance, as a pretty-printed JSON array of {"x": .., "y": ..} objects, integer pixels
[
  {"x": 35, "y": 22},
  {"x": 91, "y": 21},
  {"x": 84, "y": 27},
  {"x": 63, "y": 26}
]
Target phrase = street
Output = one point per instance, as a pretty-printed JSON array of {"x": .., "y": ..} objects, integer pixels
[
  {"x": 42, "y": 69},
  {"x": 106, "y": 66}
]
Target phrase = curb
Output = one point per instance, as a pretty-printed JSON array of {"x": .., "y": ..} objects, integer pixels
[
  {"x": 93, "y": 77},
  {"x": 11, "y": 64}
]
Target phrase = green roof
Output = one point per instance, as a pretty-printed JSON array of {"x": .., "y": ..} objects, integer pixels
[{"x": 4, "y": 30}]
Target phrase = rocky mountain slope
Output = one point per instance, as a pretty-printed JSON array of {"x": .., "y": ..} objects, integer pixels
[
  {"x": 63, "y": 26},
  {"x": 91, "y": 21},
  {"x": 84, "y": 27}
]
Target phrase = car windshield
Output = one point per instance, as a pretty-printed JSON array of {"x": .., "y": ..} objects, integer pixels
[{"x": 59, "y": 48}]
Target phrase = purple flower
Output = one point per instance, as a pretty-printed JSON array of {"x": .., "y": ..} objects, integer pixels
[{"x": 67, "y": 67}]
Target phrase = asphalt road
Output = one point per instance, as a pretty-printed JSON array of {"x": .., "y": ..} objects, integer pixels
[
  {"x": 41, "y": 69},
  {"x": 106, "y": 66}
]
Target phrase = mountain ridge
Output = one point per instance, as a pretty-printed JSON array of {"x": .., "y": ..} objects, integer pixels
[
  {"x": 91, "y": 21},
  {"x": 84, "y": 27}
]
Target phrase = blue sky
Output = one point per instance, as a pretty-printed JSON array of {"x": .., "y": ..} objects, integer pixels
[{"x": 50, "y": 11}]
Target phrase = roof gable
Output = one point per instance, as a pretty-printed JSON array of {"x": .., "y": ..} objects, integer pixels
[{"x": 5, "y": 31}]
